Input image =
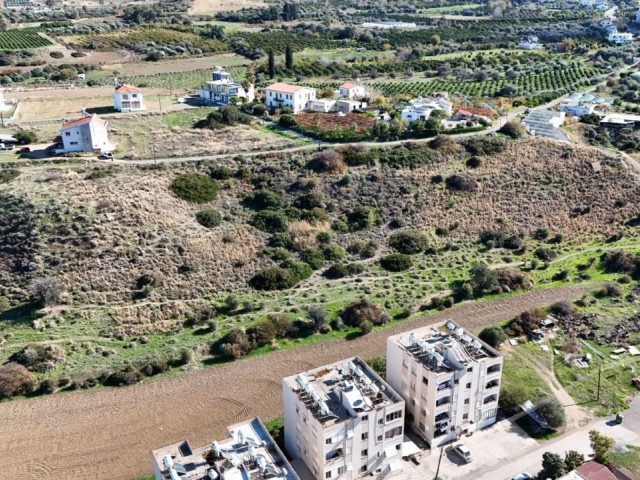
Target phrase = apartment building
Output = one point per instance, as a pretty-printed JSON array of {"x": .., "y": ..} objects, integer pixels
[
  {"x": 248, "y": 452},
  {"x": 343, "y": 421},
  {"x": 449, "y": 379}
]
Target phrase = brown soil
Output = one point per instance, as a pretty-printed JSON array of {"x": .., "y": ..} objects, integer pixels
[{"x": 109, "y": 434}]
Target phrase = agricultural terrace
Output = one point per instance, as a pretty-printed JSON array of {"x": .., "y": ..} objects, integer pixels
[{"x": 24, "y": 39}]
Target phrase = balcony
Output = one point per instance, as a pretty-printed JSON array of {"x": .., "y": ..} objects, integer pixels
[
  {"x": 443, "y": 401},
  {"x": 444, "y": 386},
  {"x": 492, "y": 384},
  {"x": 333, "y": 455},
  {"x": 493, "y": 369},
  {"x": 490, "y": 399},
  {"x": 442, "y": 416}
]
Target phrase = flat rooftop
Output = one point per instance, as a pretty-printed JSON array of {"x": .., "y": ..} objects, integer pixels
[
  {"x": 444, "y": 346},
  {"x": 342, "y": 390},
  {"x": 248, "y": 453}
]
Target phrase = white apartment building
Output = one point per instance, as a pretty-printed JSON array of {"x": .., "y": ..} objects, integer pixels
[
  {"x": 88, "y": 134},
  {"x": 343, "y": 421},
  {"x": 620, "y": 37},
  {"x": 449, "y": 379},
  {"x": 351, "y": 90},
  {"x": 293, "y": 96},
  {"x": 128, "y": 99},
  {"x": 248, "y": 452},
  {"x": 222, "y": 88}
]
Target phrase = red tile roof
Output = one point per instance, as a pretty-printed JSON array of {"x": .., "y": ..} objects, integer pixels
[
  {"x": 348, "y": 85},
  {"x": 82, "y": 121},
  {"x": 285, "y": 87},
  {"x": 594, "y": 471},
  {"x": 127, "y": 89}
]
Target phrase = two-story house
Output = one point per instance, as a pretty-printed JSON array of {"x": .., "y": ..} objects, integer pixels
[
  {"x": 88, "y": 134},
  {"x": 128, "y": 99},
  {"x": 295, "y": 97},
  {"x": 222, "y": 88}
]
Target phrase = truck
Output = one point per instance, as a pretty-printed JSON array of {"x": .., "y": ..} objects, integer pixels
[{"x": 6, "y": 146}]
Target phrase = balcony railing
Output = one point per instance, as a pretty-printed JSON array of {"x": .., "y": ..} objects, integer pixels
[{"x": 490, "y": 398}]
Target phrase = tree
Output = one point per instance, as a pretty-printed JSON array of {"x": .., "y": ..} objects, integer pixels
[
  {"x": 25, "y": 137},
  {"x": 15, "y": 379},
  {"x": 483, "y": 279},
  {"x": 493, "y": 336},
  {"x": 553, "y": 411},
  {"x": 566, "y": 45},
  {"x": 47, "y": 291},
  {"x": 272, "y": 64},
  {"x": 573, "y": 460},
  {"x": 288, "y": 58},
  {"x": 600, "y": 444},
  {"x": 435, "y": 39},
  {"x": 552, "y": 466},
  {"x": 318, "y": 316},
  {"x": 513, "y": 129}
]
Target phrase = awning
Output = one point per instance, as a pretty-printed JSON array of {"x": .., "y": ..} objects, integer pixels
[
  {"x": 409, "y": 448},
  {"x": 390, "y": 452}
]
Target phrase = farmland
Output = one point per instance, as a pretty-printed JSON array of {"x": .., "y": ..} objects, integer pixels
[{"x": 22, "y": 40}]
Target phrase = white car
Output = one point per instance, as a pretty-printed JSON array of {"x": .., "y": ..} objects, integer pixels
[
  {"x": 107, "y": 155},
  {"x": 523, "y": 476},
  {"x": 463, "y": 452}
]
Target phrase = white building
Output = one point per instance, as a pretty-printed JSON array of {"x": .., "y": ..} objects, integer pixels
[
  {"x": 351, "y": 90},
  {"x": 343, "y": 421},
  {"x": 348, "y": 106},
  {"x": 421, "y": 108},
  {"x": 248, "y": 452},
  {"x": 449, "y": 379},
  {"x": 222, "y": 88},
  {"x": 3, "y": 104},
  {"x": 293, "y": 96},
  {"x": 322, "y": 105},
  {"x": 620, "y": 37},
  {"x": 588, "y": 3},
  {"x": 88, "y": 134},
  {"x": 128, "y": 99}
]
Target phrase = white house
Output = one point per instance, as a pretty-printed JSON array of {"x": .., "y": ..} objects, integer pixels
[
  {"x": 620, "y": 37},
  {"x": 531, "y": 43},
  {"x": 322, "y": 105},
  {"x": 128, "y": 99},
  {"x": 421, "y": 108},
  {"x": 88, "y": 134},
  {"x": 448, "y": 378},
  {"x": 348, "y": 106},
  {"x": 222, "y": 88},
  {"x": 351, "y": 90},
  {"x": 343, "y": 421},
  {"x": 588, "y": 3},
  {"x": 293, "y": 96},
  {"x": 611, "y": 29}
]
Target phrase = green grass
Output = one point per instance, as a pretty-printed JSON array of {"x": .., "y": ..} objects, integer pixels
[
  {"x": 284, "y": 134},
  {"x": 451, "y": 9},
  {"x": 629, "y": 459}
]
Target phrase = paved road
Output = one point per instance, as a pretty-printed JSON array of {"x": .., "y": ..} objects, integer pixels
[{"x": 109, "y": 434}]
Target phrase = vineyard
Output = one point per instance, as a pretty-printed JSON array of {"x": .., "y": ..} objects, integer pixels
[{"x": 22, "y": 40}]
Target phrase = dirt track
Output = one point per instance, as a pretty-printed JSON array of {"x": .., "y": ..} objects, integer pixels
[{"x": 109, "y": 434}]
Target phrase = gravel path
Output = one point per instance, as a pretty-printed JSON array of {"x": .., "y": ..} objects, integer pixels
[{"x": 109, "y": 433}]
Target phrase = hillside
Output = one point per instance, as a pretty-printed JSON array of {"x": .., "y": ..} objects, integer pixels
[{"x": 133, "y": 260}]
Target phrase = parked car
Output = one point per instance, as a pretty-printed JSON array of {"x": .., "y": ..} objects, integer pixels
[
  {"x": 25, "y": 150},
  {"x": 107, "y": 155},
  {"x": 523, "y": 476},
  {"x": 6, "y": 146},
  {"x": 463, "y": 452}
]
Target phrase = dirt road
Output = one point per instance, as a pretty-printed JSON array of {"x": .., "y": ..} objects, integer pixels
[{"x": 109, "y": 434}]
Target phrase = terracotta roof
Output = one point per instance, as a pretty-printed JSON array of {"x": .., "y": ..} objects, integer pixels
[
  {"x": 594, "y": 471},
  {"x": 446, "y": 102},
  {"x": 348, "y": 86},
  {"x": 127, "y": 89},
  {"x": 285, "y": 87},
  {"x": 82, "y": 121}
]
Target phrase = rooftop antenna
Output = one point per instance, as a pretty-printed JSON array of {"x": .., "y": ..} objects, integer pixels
[
  {"x": 413, "y": 339},
  {"x": 262, "y": 462},
  {"x": 241, "y": 437},
  {"x": 167, "y": 461},
  {"x": 215, "y": 448}
]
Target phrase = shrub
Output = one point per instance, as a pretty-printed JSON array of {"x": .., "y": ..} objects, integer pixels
[
  {"x": 553, "y": 411},
  {"x": 194, "y": 187},
  {"x": 309, "y": 200},
  {"x": 493, "y": 336},
  {"x": 56, "y": 54},
  {"x": 288, "y": 275},
  {"x": 474, "y": 162},
  {"x": 483, "y": 279},
  {"x": 563, "y": 308},
  {"x": 25, "y": 137},
  {"x": 15, "y": 379},
  {"x": 611, "y": 290},
  {"x": 553, "y": 466},
  {"x": 209, "y": 218},
  {"x": 264, "y": 199},
  {"x": 312, "y": 257},
  {"x": 363, "y": 310},
  {"x": 485, "y": 145},
  {"x": 261, "y": 334},
  {"x": 221, "y": 173},
  {"x": 270, "y": 221},
  {"x": 128, "y": 376},
  {"x": 545, "y": 254},
  {"x": 40, "y": 357},
  {"x": 327, "y": 161},
  {"x": 333, "y": 253},
  {"x": 339, "y": 226},
  {"x": 396, "y": 262},
  {"x": 445, "y": 144},
  {"x": 366, "y": 327},
  {"x": 9, "y": 174},
  {"x": 47, "y": 291},
  {"x": 526, "y": 322},
  {"x": 617, "y": 261},
  {"x": 511, "y": 279},
  {"x": 462, "y": 183},
  {"x": 362, "y": 218},
  {"x": 513, "y": 129},
  {"x": 409, "y": 242}
]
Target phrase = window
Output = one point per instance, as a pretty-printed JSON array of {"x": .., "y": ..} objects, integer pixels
[
  {"x": 73, "y": 143},
  {"x": 465, "y": 416},
  {"x": 340, "y": 470},
  {"x": 364, "y": 453},
  {"x": 493, "y": 369},
  {"x": 379, "y": 438},
  {"x": 363, "y": 468},
  {"x": 425, "y": 380},
  {"x": 365, "y": 418},
  {"x": 466, "y": 401},
  {"x": 468, "y": 386},
  {"x": 328, "y": 441},
  {"x": 328, "y": 474},
  {"x": 365, "y": 435},
  {"x": 423, "y": 412},
  {"x": 67, "y": 134},
  {"x": 469, "y": 369},
  {"x": 413, "y": 386},
  {"x": 394, "y": 416},
  {"x": 393, "y": 432},
  {"x": 380, "y": 421}
]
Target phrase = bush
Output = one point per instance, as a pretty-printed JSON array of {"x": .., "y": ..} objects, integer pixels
[
  {"x": 362, "y": 218},
  {"x": 312, "y": 257},
  {"x": 396, "y": 262},
  {"x": 264, "y": 199},
  {"x": 563, "y": 308},
  {"x": 341, "y": 270},
  {"x": 209, "y": 218},
  {"x": 611, "y": 290},
  {"x": 493, "y": 336},
  {"x": 225, "y": 116},
  {"x": 25, "y": 137},
  {"x": 483, "y": 279},
  {"x": 363, "y": 310},
  {"x": 511, "y": 280},
  {"x": 56, "y": 54},
  {"x": 485, "y": 145},
  {"x": 462, "y": 183},
  {"x": 128, "y": 376},
  {"x": 221, "y": 173},
  {"x": 9, "y": 174},
  {"x": 513, "y": 129},
  {"x": 333, "y": 253},
  {"x": 445, "y": 144},
  {"x": 366, "y": 327},
  {"x": 327, "y": 161},
  {"x": 40, "y": 357},
  {"x": 47, "y": 291},
  {"x": 545, "y": 254},
  {"x": 194, "y": 187},
  {"x": 553, "y": 411},
  {"x": 409, "y": 242},
  {"x": 288, "y": 275},
  {"x": 526, "y": 322},
  {"x": 618, "y": 261},
  {"x": 474, "y": 162},
  {"x": 270, "y": 221},
  {"x": 309, "y": 201},
  {"x": 15, "y": 379}
]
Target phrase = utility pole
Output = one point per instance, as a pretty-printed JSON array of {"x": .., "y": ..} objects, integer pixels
[
  {"x": 439, "y": 460},
  {"x": 153, "y": 149},
  {"x": 159, "y": 103},
  {"x": 599, "y": 375}
]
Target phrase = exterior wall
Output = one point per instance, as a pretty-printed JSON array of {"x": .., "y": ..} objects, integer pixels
[
  {"x": 296, "y": 101},
  {"x": 87, "y": 137},
  {"x": 351, "y": 93},
  {"x": 412, "y": 115},
  {"x": 128, "y": 102},
  {"x": 467, "y": 392},
  {"x": 222, "y": 92},
  {"x": 321, "y": 106}
]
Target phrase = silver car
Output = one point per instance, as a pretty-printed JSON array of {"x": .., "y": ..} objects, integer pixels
[{"x": 463, "y": 452}]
